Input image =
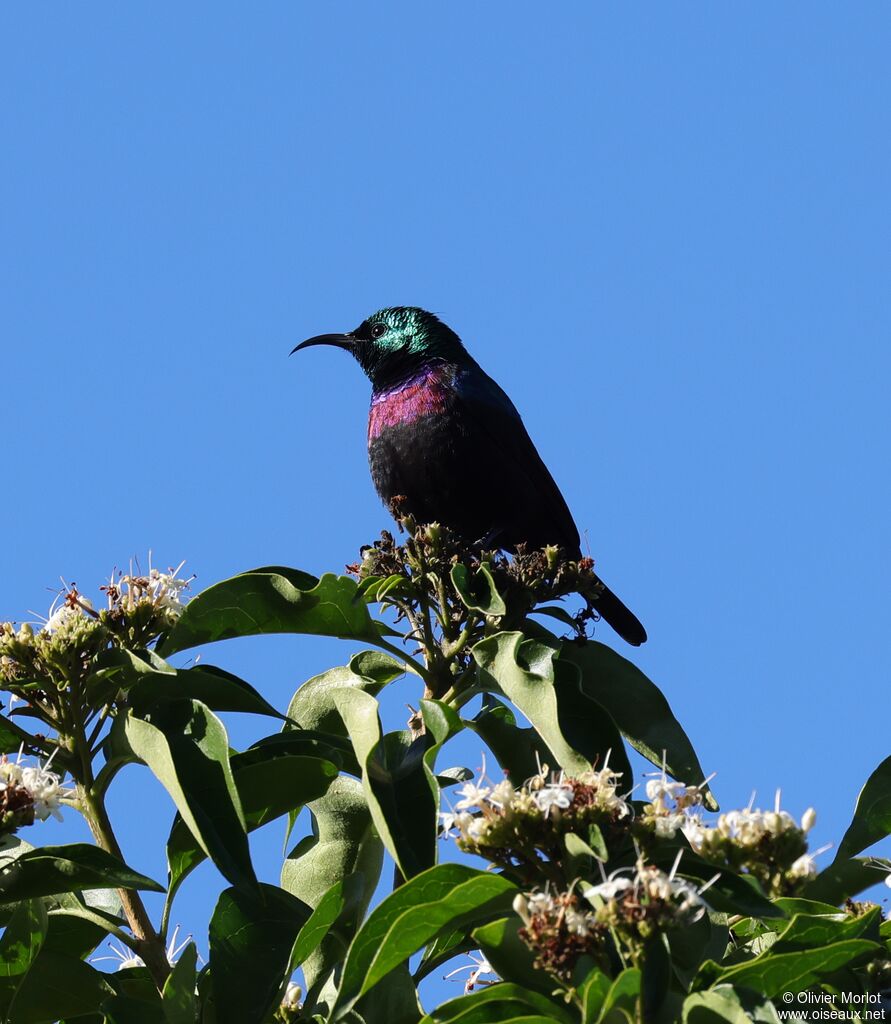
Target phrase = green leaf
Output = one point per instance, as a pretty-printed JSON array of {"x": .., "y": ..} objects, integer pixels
[
  {"x": 330, "y": 909},
  {"x": 872, "y": 815},
  {"x": 251, "y": 938},
  {"x": 274, "y": 600},
  {"x": 22, "y": 940},
  {"x": 621, "y": 999},
  {"x": 59, "y": 869},
  {"x": 396, "y": 787},
  {"x": 344, "y": 844},
  {"x": 178, "y": 998},
  {"x": 502, "y": 1003},
  {"x": 186, "y": 747},
  {"x": 512, "y": 959},
  {"x": 313, "y": 705},
  {"x": 441, "y": 899},
  {"x": 514, "y": 747},
  {"x": 524, "y": 671},
  {"x": 20, "y": 945},
  {"x": 477, "y": 592},
  {"x": 843, "y": 880},
  {"x": 267, "y": 788},
  {"x": 214, "y": 687},
  {"x": 57, "y": 986},
  {"x": 718, "y": 1005},
  {"x": 80, "y": 921},
  {"x": 12, "y": 736},
  {"x": 796, "y": 960},
  {"x": 806, "y": 931},
  {"x": 638, "y": 708}
]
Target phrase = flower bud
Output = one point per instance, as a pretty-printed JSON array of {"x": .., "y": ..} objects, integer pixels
[
  {"x": 521, "y": 907},
  {"x": 808, "y": 819}
]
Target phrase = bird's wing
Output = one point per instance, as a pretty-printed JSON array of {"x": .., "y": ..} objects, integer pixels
[
  {"x": 533, "y": 509},
  {"x": 508, "y": 464}
]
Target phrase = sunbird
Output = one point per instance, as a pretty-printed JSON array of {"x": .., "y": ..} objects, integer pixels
[{"x": 445, "y": 439}]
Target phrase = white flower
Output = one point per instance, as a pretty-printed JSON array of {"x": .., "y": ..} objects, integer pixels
[
  {"x": 125, "y": 957},
  {"x": 553, "y": 796},
  {"x": 502, "y": 796},
  {"x": 576, "y": 921},
  {"x": 10, "y": 774},
  {"x": 540, "y": 903},
  {"x": 62, "y": 615},
  {"x": 471, "y": 795},
  {"x": 476, "y": 828},
  {"x": 448, "y": 821},
  {"x": 666, "y": 825},
  {"x": 804, "y": 867},
  {"x": 694, "y": 830},
  {"x": 478, "y": 965},
  {"x": 166, "y": 589},
  {"x": 660, "y": 790},
  {"x": 46, "y": 791},
  {"x": 608, "y": 889},
  {"x": 808, "y": 819}
]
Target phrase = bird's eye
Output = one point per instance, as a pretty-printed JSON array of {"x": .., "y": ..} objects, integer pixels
[{"x": 378, "y": 330}]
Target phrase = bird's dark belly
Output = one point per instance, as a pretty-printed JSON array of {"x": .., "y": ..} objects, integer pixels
[
  {"x": 428, "y": 464},
  {"x": 446, "y": 474}
]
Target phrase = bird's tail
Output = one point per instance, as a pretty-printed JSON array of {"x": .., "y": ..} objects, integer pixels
[{"x": 623, "y": 621}]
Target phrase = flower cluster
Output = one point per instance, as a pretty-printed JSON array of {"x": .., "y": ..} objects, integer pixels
[
  {"x": 670, "y": 804},
  {"x": 427, "y": 568},
  {"x": 141, "y": 606},
  {"x": 48, "y": 659},
  {"x": 769, "y": 845},
  {"x": 29, "y": 793},
  {"x": 36, "y": 663},
  {"x": 526, "y": 826},
  {"x": 589, "y": 920}
]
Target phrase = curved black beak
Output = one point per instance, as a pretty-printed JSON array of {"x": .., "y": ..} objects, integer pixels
[{"x": 346, "y": 341}]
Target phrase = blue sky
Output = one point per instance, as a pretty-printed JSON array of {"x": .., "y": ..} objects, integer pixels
[{"x": 664, "y": 231}]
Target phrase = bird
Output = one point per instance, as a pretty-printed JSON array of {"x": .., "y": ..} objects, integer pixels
[{"x": 446, "y": 440}]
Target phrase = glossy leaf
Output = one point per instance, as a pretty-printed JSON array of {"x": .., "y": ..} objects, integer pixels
[
  {"x": 313, "y": 705},
  {"x": 59, "y": 869},
  {"x": 847, "y": 878},
  {"x": 524, "y": 671},
  {"x": 442, "y": 899},
  {"x": 872, "y": 815},
  {"x": 217, "y": 689},
  {"x": 251, "y": 938},
  {"x": 638, "y": 708},
  {"x": 267, "y": 788},
  {"x": 519, "y": 750},
  {"x": 329, "y": 910},
  {"x": 22, "y": 940},
  {"x": 57, "y": 986},
  {"x": 477, "y": 591},
  {"x": 80, "y": 921},
  {"x": 772, "y": 973},
  {"x": 344, "y": 843},
  {"x": 178, "y": 998},
  {"x": 187, "y": 749},
  {"x": 719, "y": 1005},
  {"x": 396, "y": 786},
  {"x": 502, "y": 1003},
  {"x": 621, "y": 999},
  {"x": 274, "y": 599}
]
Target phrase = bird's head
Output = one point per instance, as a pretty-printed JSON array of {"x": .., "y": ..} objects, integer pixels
[{"x": 394, "y": 343}]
